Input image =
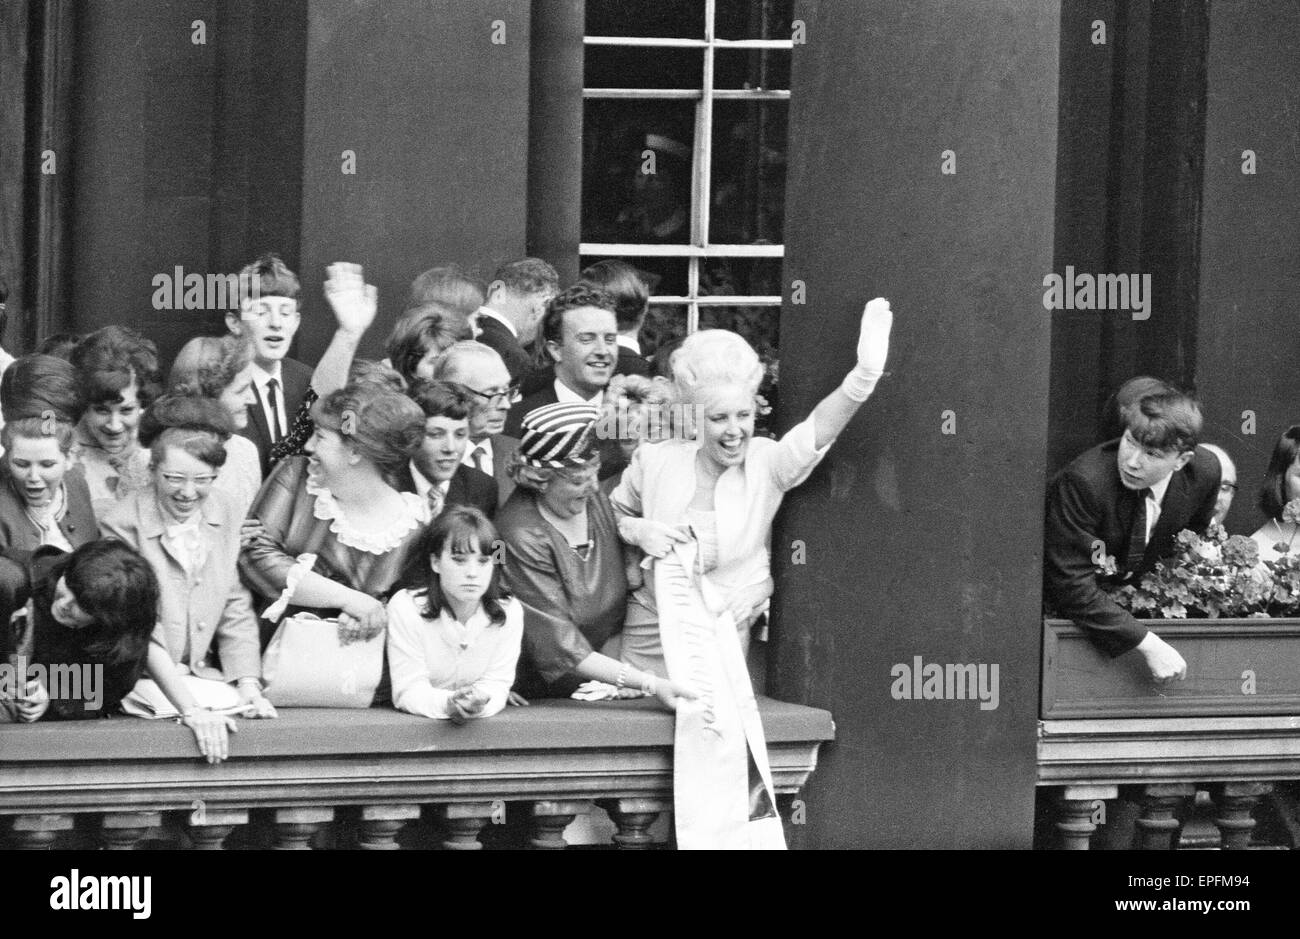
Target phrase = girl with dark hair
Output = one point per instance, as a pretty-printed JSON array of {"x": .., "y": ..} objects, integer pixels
[
  {"x": 453, "y": 643},
  {"x": 1281, "y": 485},
  {"x": 89, "y": 614},
  {"x": 118, "y": 370}
]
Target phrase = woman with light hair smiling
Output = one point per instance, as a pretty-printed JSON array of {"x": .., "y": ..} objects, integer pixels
[{"x": 702, "y": 509}]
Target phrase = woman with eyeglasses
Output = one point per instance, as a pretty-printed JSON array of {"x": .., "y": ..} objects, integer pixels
[{"x": 189, "y": 532}]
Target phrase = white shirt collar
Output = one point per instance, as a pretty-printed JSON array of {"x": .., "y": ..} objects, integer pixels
[
  {"x": 563, "y": 395},
  {"x": 471, "y": 446},
  {"x": 1158, "y": 490},
  {"x": 489, "y": 312},
  {"x": 628, "y": 342},
  {"x": 262, "y": 376}
]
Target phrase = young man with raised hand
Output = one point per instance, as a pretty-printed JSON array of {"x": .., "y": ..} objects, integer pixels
[{"x": 269, "y": 317}]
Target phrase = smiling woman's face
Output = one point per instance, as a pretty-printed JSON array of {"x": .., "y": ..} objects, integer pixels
[
  {"x": 724, "y": 424},
  {"x": 183, "y": 482},
  {"x": 113, "y": 424}
]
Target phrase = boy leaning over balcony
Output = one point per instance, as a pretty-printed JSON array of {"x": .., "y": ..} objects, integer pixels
[{"x": 1128, "y": 498}]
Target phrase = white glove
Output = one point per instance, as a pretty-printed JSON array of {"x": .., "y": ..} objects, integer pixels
[
  {"x": 873, "y": 350},
  {"x": 595, "y": 691}
]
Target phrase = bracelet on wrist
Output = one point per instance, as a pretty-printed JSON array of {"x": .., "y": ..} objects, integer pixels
[{"x": 622, "y": 677}]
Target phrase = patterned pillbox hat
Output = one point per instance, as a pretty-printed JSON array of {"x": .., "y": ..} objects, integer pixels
[{"x": 558, "y": 435}]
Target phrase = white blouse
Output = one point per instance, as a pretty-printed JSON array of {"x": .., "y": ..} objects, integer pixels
[
  {"x": 1271, "y": 533},
  {"x": 430, "y": 659}
]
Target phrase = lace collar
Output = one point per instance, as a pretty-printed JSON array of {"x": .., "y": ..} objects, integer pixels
[{"x": 326, "y": 509}]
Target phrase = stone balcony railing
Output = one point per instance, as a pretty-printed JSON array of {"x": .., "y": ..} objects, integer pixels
[
  {"x": 1231, "y": 730},
  {"x": 377, "y": 770}
]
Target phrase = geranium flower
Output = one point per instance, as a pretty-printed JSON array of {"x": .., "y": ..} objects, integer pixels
[{"x": 1241, "y": 551}]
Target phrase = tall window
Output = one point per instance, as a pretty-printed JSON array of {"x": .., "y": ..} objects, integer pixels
[{"x": 684, "y": 145}]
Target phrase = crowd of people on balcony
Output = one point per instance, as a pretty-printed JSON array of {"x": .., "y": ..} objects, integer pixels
[{"x": 486, "y": 505}]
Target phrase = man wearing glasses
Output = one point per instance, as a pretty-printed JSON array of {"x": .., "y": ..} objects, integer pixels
[
  {"x": 481, "y": 372},
  {"x": 268, "y": 317}
]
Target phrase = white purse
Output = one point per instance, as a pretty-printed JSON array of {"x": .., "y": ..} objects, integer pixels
[{"x": 306, "y": 665}]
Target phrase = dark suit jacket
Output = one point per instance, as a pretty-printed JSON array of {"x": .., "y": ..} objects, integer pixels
[
  {"x": 503, "y": 448},
  {"x": 296, "y": 379},
  {"x": 493, "y": 333},
  {"x": 1086, "y": 503},
  {"x": 467, "y": 487},
  {"x": 630, "y": 363},
  {"x": 612, "y": 458},
  {"x": 19, "y": 536}
]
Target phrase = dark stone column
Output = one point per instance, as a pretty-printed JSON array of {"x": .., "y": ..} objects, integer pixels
[
  {"x": 555, "y": 134},
  {"x": 1250, "y": 240},
  {"x": 436, "y": 114},
  {"x": 916, "y": 542}
]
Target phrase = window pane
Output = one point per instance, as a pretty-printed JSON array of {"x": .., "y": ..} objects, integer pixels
[
  {"x": 753, "y": 19},
  {"x": 637, "y": 171},
  {"x": 752, "y": 68},
  {"x": 673, "y": 19},
  {"x": 740, "y": 277},
  {"x": 622, "y": 67},
  {"x": 749, "y": 147}
]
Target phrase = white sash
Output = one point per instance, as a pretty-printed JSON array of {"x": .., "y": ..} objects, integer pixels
[{"x": 710, "y": 762}]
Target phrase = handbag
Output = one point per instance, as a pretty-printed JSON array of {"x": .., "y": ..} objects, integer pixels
[{"x": 306, "y": 665}]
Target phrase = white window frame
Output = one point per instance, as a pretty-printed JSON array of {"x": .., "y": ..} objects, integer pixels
[{"x": 701, "y": 164}]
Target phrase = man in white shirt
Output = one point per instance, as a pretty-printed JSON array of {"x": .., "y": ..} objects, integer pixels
[
  {"x": 1128, "y": 499},
  {"x": 580, "y": 332},
  {"x": 439, "y": 463},
  {"x": 269, "y": 318}
]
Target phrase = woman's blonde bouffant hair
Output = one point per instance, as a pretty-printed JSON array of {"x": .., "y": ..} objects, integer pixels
[{"x": 714, "y": 357}]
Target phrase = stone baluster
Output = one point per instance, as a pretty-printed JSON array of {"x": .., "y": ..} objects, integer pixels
[
  {"x": 121, "y": 830},
  {"x": 38, "y": 832},
  {"x": 1156, "y": 826},
  {"x": 1235, "y": 803},
  {"x": 549, "y": 819},
  {"x": 209, "y": 828},
  {"x": 1076, "y": 805},
  {"x": 294, "y": 828},
  {"x": 462, "y": 822},
  {"x": 634, "y": 818},
  {"x": 381, "y": 823}
]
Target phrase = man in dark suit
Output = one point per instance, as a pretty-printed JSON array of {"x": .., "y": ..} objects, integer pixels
[
  {"x": 1128, "y": 498},
  {"x": 269, "y": 318},
  {"x": 631, "y": 296},
  {"x": 436, "y": 471},
  {"x": 481, "y": 373},
  {"x": 580, "y": 332},
  {"x": 508, "y": 319}
]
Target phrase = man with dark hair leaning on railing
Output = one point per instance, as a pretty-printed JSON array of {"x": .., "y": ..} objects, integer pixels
[{"x": 1128, "y": 498}]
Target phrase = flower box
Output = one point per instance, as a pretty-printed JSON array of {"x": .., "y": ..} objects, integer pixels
[{"x": 1235, "y": 667}]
